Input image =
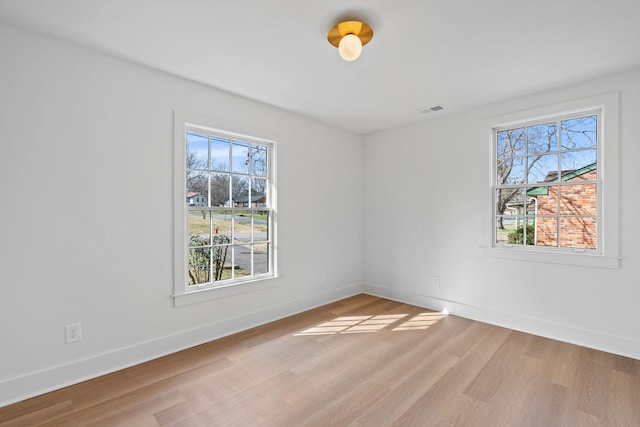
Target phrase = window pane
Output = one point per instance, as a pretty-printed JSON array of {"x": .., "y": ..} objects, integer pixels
[
  {"x": 578, "y": 199},
  {"x": 242, "y": 232},
  {"x": 517, "y": 235},
  {"x": 221, "y": 226},
  {"x": 504, "y": 225},
  {"x": 546, "y": 231},
  {"x": 509, "y": 201},
  {"x": 260, "y": 258},
  {"x": 529, "y": 231},
  {"x": 510, "y": 171},
  {"x": 580, "y": 132},
  {"x": 220, "y": 257},
  {"x": 196, "y": 186},
  {"x": 259, "y": 190},
  {"x": 219, "y": 154},
  {"x": 258, "y": 160},
  {"x": 578, "y": 233},
  {"x": 513, "y": 232},
  {"x": 261, "y": 226},
  {"x": 542, "y": 139},
  {"x": 510, "y": 143},
  {"x": 575, "y": 160},
  {"x": 242, "y": 260},
  {"x": 544, "y": 200},
  {"x": 197, "y": 151},
  {"x": 199, "y": 224},
  {"x": 220, "y": 190},
  {"x": 199, "y": 265},
  {"x": 543, "y": 168},
  {"x": 240, "y": 157},
  {"x": 240, "y": 191}
]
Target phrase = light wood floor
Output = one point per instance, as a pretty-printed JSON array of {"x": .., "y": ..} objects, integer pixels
[{"x": 363, "y": 361}]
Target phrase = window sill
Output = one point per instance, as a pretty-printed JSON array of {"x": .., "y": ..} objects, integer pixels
[
  {"x": 576, "y": 259},
  {"x": 213, "y": 293}
]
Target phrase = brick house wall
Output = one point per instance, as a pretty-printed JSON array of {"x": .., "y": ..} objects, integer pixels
[{"x": 578, "y": 199}]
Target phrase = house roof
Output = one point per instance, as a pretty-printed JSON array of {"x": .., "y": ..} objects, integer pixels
[
  {"x": 245, "y": 199},
  {"x": 192, "y": 194}
]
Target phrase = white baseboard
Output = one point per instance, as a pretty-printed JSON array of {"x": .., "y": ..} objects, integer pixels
[
  {"x": 55, "y": 377},
  {"x": 623, "y": 346}
]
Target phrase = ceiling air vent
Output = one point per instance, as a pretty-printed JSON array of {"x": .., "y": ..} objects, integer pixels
[{"x": 432, "y": 109}]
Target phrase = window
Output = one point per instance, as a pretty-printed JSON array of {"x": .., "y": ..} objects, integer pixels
[
  {"x": 546, "y": 183},
  {"x": 554, "y": 177},
  {"x": 226, "y": 214}
]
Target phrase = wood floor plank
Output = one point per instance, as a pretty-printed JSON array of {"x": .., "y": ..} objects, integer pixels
[
  {"x": 592, "y": 384},
  {"x": 425, "y": 410},
  {"x": 33, "y": 417},
  {"x": 561, "y": 363},
  {"x": 506, "y": 362},
  {"x": 624, "y": 407},
  {"x": 121, "y": 411},
  {"x": 405, "y": 394},
  {"x": 362, "y": 361},
  {"x": 469, "y": 338}
]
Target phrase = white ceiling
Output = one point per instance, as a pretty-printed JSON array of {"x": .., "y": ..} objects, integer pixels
[{"x": 457, "y": 53}]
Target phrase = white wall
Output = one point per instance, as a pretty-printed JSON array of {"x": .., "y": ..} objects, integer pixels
[
  {"x": 424, "y": 190},
  {"x": 86, "y": 145}
]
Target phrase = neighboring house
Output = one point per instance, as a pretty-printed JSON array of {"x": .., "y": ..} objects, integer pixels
[
  {"x": 574, "y": 200},
  {"x": 256, "y": 201},
  {"x": 196, "y": 199}
]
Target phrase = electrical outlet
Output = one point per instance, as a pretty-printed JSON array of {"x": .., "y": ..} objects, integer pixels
[
  {"x": 436, "y": 281},
  {"x": 73, "y": 333},
  {"x": 322, "y": 277}
]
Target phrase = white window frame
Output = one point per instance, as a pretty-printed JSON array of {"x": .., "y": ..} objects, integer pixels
[
  {"x": 607, "y": 254},
  {"x": 183, "y": 293}
]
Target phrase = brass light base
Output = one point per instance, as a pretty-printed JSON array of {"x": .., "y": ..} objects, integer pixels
[{"x": 360, "y": 29}]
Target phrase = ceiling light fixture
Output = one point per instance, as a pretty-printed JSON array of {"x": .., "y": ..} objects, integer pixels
[{"x": 349, "y": 37}]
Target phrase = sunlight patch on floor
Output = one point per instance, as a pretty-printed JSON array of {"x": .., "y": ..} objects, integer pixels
[
  {"x": 421, "y": 321},
  {"x": 369, "y": 324}
]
